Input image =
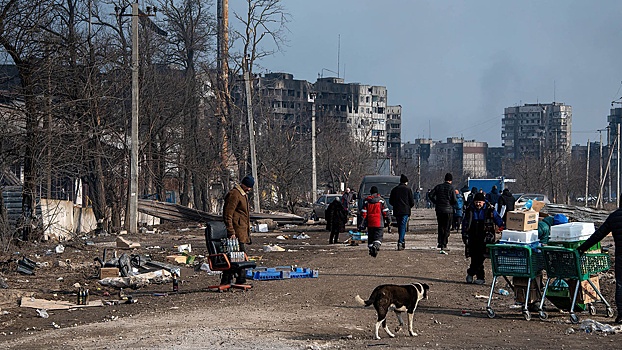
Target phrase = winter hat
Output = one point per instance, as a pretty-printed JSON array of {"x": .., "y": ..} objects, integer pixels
[
  {"x": 560, "y": 219},
  {"x": 248, "y": 181},
  {"x": 448, "y": 177},
  {"x": 403, "y": 179},
  {"x": 479, "y": 197},
  {"x": 373, "y": 190},
  {"x": 506, "y": 191}
]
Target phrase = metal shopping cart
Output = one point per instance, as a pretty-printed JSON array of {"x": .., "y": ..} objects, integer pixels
[
  {"x": 567, "y": 264},
  {"x": 516, "y": 260}
]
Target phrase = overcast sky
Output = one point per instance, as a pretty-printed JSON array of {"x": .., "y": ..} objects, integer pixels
[{"x": 454, "y": 65}]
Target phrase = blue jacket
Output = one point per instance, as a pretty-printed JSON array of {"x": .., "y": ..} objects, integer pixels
[{"x": 458, "y": 206}]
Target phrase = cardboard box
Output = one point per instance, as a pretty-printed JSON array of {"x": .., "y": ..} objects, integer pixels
[
  {"x": 522, "y": 220},
  {"x": 105, "y": 272},
  {"x": 587, "y": 294},
  {"x": 520, "y": 289},
  {"x": 180, "y": 259},
  {"x": 537, "y": 205}
]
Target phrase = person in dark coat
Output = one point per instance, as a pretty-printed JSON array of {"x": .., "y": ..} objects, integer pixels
[
  {"x": 469, "y": 199},
  {"x": 402, "y": 200},
  {"x": 507, "y": 200},
  {"x": 493, "y": 196},
  {"x": 444, "y": 199},
  {"x": 336, "y": 217},
  {"x": 458, "y": 211},
  {"x": 478, "y": 229},
  {"x": 612, "y": 224}
]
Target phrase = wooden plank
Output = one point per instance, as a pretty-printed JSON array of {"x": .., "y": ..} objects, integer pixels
[{"x": 34, "y": 303}]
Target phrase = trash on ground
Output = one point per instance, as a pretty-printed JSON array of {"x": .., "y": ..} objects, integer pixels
[
  {"x": 43, "y": 313},
  {"x": 185, "y": 248},
  {"x": 478, "y": 296},
  {"x": 59, "y": 249},
  {"x": 33, "y": 303},
  {"x": 272, "y": 248},
  {"x": 281, "y": 238},
  {"x": 302, "y": 236},
  {"x": 26, "y": 266},
  {"x": 591, "y": 326},
  {"x": 137, "y": 281},
  {"x": 126, "y": 244}
]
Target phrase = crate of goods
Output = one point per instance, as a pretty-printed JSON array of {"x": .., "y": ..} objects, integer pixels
[
  {"x": 515, "y": 236},
  {"x": 518, "y": 220},
  {"x": 571, "y": 232}
]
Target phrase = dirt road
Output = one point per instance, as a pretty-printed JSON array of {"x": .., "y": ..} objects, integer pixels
[{"x": 313, "y": 313}]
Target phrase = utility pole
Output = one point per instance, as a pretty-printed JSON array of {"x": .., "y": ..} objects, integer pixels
[
  {"x": 618, "y": 166},
  {"x": 314, "y": 169},
  {"x": 251, "y": 131},
  {"x": 587, "y": 172},
  {"x": 132, "y": 206}
]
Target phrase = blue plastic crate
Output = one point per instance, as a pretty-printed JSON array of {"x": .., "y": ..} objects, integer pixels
[
  {"x": 303, "y": 272},
  {"x": 267, "y": 275}
]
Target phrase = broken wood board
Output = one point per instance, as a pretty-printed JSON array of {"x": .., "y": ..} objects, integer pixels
[
  {"x": 34, "y": 303},
  {"x": 124, "y": 243}
]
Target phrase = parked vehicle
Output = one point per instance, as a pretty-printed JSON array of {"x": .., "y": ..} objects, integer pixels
[
  {"x": 319, "y": 207},
  {"x": 520, "y": 202},
  {"x": 384, "y": 183}
]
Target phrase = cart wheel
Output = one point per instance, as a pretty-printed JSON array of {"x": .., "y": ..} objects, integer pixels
[
  {"x": 574, "y": 318},
  {"x": 527, "y": 315},
  {"x": 490, "y": 312},
  {"x": 543, "y": 315},
  {"x": 609, "y": 312},
  {"x": 591, "y": 309}
]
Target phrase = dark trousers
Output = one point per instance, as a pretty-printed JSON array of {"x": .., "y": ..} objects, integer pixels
[
  {"x": 374, "y": 236},
  {"x": 477, "y": 249},
  {"x": 334, "y": 235},
  {"x": 240, "y": 277},
  {"x": 457, "y": 221},
  {"x": 444, "y": 228},
  {"x": 618, "y": 274}
]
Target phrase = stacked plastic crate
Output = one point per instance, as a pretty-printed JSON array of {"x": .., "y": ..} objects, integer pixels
[
  {"x": 528, "y": 238},
  {"x": 572, "y": 235}
]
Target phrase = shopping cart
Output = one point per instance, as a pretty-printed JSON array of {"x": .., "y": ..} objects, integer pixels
[
  {"x": 516, "y": 260},
  {"x": 568, "y": 264}
]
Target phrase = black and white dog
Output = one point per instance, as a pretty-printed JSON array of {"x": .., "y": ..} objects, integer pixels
[{"x": 398, "y": 298}]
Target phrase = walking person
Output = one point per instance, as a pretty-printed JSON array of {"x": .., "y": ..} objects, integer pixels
[
  {"x": 444, "y": 199},
  {"x": 236, "y": 217},
  {"x": 478, "y": 229},
  {"x": 417, "y": 198},
  {"x": 346, "y": 198},
  {"x": 506, "y": 200},
  {"x": 612, "y": 224},
  {"x": 493, "y": 196},
  {"x": 458, "y": 210},
  {"x": 374, "y": 214},
  {"x": 402, "y": 200},
  {"x": 336, "y": 217}
]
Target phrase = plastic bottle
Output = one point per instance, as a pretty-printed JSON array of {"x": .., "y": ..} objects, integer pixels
[
  {"x": 528, "y": 204},
  {"x": 503, "y": 292}
]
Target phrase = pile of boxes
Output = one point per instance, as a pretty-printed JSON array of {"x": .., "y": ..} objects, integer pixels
[{"x": 522, "y": 228}]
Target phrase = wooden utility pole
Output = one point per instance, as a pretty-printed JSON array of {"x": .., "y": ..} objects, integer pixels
[
  {"x": 587, "y": 172},
  {"x": 132, "y": 225},
  {"x": 251, "y": 131},
  {"x": 222, "y": 92}
]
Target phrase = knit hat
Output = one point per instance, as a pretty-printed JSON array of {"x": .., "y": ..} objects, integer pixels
[
  {"x": 506, "y": 191},
  {"x": 373, "y": 190},
  {"x": 248, "y": 181},
  {"x": 403, "y": 179},
  {"x": 449, "y": 177},
  {"x": 479, "y": 197},
  {"x": 560, "y": 219}
]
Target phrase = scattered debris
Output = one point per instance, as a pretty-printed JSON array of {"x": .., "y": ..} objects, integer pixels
[
  {"x": 590, "y": 325},
  {"x": 281, "y": 238},
  {"x": 302, "y": 236},
  {"x": 59, "y": 249},
  {"x": 34, "y": 303},
  {"x": 137, "y": 281},
  {"x": 184, "y": 248},
  {"x": 43, "y": 313},
  {"x": 272, "y": 248},
  {"x": 26, "y": 266},
  {"x": 124, "y": 243}
]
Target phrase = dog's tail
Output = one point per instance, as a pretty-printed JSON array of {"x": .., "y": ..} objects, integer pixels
[{"x": 361, "y": 301}]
